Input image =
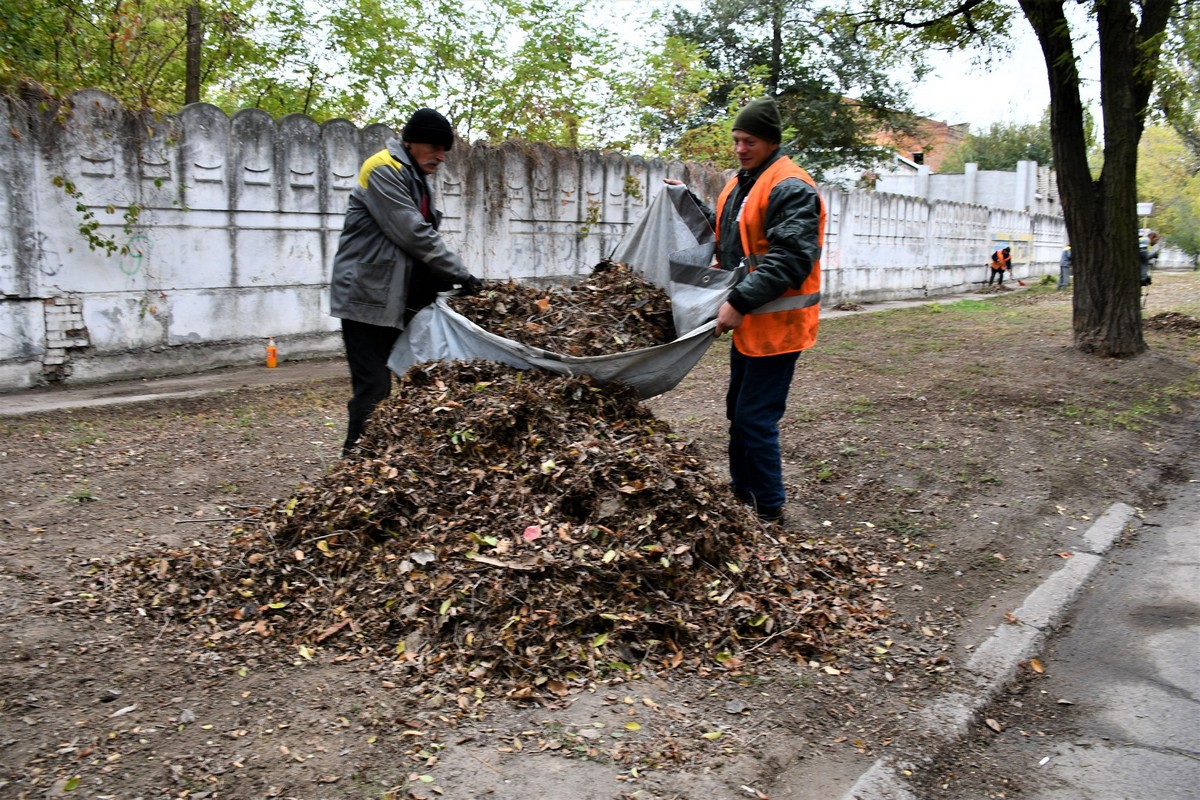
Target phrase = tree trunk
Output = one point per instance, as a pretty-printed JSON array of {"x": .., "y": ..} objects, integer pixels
[
  {"x": 195, "y": 40},
  {"x": 775, "y": 66},
  {"x": 1101, "y": 214}
]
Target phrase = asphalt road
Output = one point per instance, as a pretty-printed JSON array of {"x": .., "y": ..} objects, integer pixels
[{"x": 1125, "y": 672}]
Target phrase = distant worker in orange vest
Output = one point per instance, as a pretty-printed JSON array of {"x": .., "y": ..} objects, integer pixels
[
  {"x": 770, "y": 222},
  {"x": 1001, "y": 261}
]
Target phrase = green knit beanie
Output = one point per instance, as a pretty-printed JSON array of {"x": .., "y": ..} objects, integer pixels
[{"x": 761, "y": 118}]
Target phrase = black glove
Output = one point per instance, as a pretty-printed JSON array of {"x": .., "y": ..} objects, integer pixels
[{"x": 472, "y": 286}]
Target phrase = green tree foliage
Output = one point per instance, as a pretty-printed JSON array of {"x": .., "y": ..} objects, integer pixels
[
  {"x": 1169, "y": 177},
  {"x": 133, "y": 49},
  {"x": 1100, "y": 210},
  {"x": 282, "y": 62},
  {"x": 804, "y": 56},
  {"x": 1178, "y": 95},
  {"x": 537, "y": 70},
  {"x": 1002, "y": 145},
  {"x": 499, "y": 69},
  {"x": 664, "y": 94}
]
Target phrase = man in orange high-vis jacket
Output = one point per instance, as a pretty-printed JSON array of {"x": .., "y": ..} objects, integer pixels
[
  {"x": 771, "y": 221},
  {"x": 1001, "y": 261}
]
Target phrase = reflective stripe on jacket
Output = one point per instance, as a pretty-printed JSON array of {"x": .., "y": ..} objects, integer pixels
[
  {"x": 390, "y": 256},
  {"x": 788, "y": 323}
]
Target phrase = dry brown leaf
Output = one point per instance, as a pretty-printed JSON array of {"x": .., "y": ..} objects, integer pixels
[{"x": 642, "y": 553}]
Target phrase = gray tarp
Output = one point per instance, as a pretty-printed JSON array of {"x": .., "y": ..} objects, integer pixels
[{"x": 670, "y": 245}]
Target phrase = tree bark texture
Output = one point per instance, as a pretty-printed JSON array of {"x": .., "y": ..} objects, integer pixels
[
  {"x": 195, "y": 41},
  {"x": 1101, "y": 213}
]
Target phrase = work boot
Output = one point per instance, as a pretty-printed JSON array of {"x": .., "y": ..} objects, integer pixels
[{"x": 771, "y": 514}]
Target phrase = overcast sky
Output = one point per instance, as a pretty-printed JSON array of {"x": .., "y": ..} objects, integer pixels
[{"x": 1014, "y": 90}]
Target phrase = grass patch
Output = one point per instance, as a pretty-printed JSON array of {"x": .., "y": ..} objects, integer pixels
[
  {"x": 968, "y": 306},
  {"x": 1141, "y": 411},
  {"x": 82, "y": 434},
  {"x": 83, "y": 494},
  {"x": 861, "y": 406}
]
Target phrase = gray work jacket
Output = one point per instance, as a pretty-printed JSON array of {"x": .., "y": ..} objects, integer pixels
[{"x": 389, "y": 255}]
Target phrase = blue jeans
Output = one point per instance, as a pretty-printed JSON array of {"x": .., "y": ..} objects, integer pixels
[{"x": 754, "y": 404}]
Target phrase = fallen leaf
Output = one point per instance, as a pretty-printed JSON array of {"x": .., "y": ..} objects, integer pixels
[
  {"x": 1036, "y": 666},
  {"x": 994, "y": 725}
]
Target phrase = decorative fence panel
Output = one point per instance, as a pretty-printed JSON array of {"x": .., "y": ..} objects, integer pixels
[{"x": 226, "y": 228}]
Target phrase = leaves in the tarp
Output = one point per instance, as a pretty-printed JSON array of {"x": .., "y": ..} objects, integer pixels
[{"x": 613, "y": 310}]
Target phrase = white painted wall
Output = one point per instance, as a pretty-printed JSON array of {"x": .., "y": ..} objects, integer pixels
[
  {"x": 1028, "y": 188},
  {"x": 240, "y": 218}
]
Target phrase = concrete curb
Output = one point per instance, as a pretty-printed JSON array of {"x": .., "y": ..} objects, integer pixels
[{"x": 995, "y": 662}]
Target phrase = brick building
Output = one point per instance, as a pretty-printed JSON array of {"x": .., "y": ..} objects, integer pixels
[{"x": 929, "y": 144}]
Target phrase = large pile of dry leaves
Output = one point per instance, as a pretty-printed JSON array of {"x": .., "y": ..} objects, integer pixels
[
  {"x": 614, "y": 310},
  {"x": 515, "y": 527}
]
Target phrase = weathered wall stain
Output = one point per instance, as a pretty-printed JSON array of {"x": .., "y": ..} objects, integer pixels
[{"x": 235, "y": 220}]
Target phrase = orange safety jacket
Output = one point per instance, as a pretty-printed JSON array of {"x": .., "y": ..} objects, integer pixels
[
  {"x": 999, "y": 262},
  {"x": 788, "y": 323}
]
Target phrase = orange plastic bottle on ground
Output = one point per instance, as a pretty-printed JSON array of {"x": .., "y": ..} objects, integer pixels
[{"x": 272, "y": 353}]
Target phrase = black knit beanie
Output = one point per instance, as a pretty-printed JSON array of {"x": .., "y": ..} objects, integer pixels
[
  {"x": 428, "y": 127},
  {"x": 760, "y": 118}
]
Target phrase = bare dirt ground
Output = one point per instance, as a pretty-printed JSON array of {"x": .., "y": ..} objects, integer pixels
[{"x": 961, "y": 447}]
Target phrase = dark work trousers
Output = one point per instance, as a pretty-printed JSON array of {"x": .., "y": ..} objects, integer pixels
[
  {"x": 754, "y": 404},
  {"x": 367, "y": 350},
  {"x": 996, "y": 274}
]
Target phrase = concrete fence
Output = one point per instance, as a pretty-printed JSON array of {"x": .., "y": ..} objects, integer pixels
[
  {"x": 226, "y": 228},
  {"x": 1029, "y": 187}
]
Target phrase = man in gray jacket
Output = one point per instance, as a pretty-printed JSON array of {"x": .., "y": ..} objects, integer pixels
[{"x": 391, "y": 260}]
